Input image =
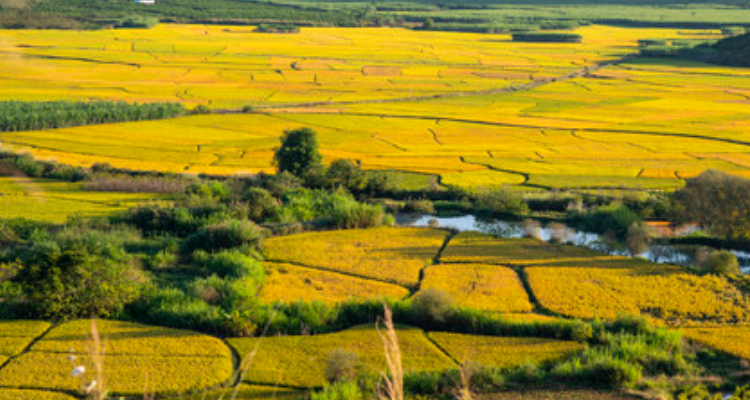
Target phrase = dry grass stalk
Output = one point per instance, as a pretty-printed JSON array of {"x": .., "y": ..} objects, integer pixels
[
  {"x": 95, "y": 389},
  {"x": 394, "y": 379}
]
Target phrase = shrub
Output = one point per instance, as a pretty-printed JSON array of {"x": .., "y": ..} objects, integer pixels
[
  {"x": 71, "y": 282},
  {"x": 231, "y": 263},
  {"x": 500, "y": 201},
  {"x": 346, "y": 174},
  {"x": 432, "y": 305},
  {"x": 420, "y": 206},
  {"x": 211, "y": 189},
  {"x": 721, "y": 262},
  {"x": 261, "y": 204},
  {"x": 353, "y": 215},
  {"x": 339, "y": 391},
  {"x": 637, "y": 239},
  {"x": 229, "y": 294},
  {"x": 137, "y": 21},
  {"x": 341, "y": 366},
  {"x": 226, "y": 235},
  {"x": 201, "y": 109},
  {"x": 174, "y": 308}
]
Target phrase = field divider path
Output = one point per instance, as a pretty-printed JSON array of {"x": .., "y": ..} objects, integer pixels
[
  {"x": 442, "y": 350},
  {"x": 581, "y": 72},
  {"x": 529, "y": 126},
  {"x": 28, "y": 347},
  {"x": 435, "y": 260}
]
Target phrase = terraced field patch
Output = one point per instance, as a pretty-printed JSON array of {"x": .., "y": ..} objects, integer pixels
[
  {"x": 231, "y": 66},
  {"x": 18, "y": 394},
  {"x": 502, "y": 352},
  {"x": 479, "y": 286},
  {"x": 475, "y": 247},
  {"x": 299, "y": 361},
  {"x": 666, "y": 293},
  {"x": 395, "y": 255},
  {"x": 167, "y": 361},
  {"x": 15, "y": 336},
  {"x": 290, "y": 283},
  {"x": 55, "y": 201},
  {"x": 729, "y": 339}
]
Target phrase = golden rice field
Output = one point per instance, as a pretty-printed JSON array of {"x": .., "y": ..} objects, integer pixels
[
  {"x": 442, "y": 104},
  {"x": 729, "y": 339},
  {"x": 18, "y": 394},
  {"x": 55, "y": 201},
  {"x": 136, "y": 357},
  {"x": 394, "y": 255},
  {"x": 669, "y": 294},
  {"x": 15, "y": 336},
  {"x": 502, "y": 352},
  {"x": 289, "y": 283},
  {"x": 299, "y": 361},
  {"x": 475, "y": 247},
  {"x": 479, "y": 286},
  {"x": 231, "y": 66}
]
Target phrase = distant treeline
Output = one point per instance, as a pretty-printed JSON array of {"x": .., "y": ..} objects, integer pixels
[
  {"x": 547, "y": 37},
  {"x": 23, "y": 116},
  {"x": 733, "y": 51}
]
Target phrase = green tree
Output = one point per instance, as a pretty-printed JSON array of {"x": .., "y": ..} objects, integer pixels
[
  {"x": 298, "y": 153},
  {"x": 70, "y": 282}
]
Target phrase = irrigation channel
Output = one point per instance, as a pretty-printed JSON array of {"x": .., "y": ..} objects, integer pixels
[{"x": 661, "y": 253}]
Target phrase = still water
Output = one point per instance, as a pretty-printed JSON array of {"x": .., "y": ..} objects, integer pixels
[{"x": 659, "y": 253}]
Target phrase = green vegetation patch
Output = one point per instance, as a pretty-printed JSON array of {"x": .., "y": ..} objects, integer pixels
[{"x": 300, "y": 361}]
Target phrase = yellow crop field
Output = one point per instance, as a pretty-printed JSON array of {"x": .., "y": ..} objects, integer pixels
[
  {"x": 394, "y": 255},
  {"x": 481, "y": 287},
  {"x": 300, "y": 360},
  {"x": 729, "y": 339},
  {"x": 54, "y": 201},
  {"x": 18, "y": 394},
  {"x": 670, "y": 294},
  {"x": 15, "y": 336},
  {"x": 502, "y": 352},
  {"x": 289, "y": 283},
  {"x": 165, "y": 361},
  {"x": 477, "y": 112},
  {"x": 233, "y": 66},
  {"x": 480, "y": 248}
]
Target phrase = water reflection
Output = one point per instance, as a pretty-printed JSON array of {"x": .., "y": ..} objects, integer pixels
[{"x": 684, "y": 255}]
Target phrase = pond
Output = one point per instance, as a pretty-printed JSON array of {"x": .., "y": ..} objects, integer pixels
[{"x": 659, "y": 253}]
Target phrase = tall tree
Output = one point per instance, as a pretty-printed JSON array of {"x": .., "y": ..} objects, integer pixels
[{"x": 298, "y": 153}]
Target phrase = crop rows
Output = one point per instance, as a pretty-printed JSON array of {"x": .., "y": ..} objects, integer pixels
[
  {"x": 481, "y": 287},
  {"x": 386, "y": 254},
  {"x": 290, "y": 283},
  {"x": 136, "y": 358}
]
